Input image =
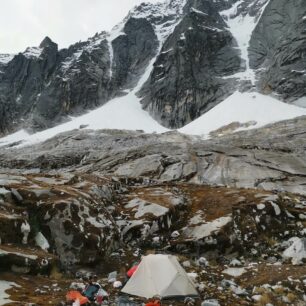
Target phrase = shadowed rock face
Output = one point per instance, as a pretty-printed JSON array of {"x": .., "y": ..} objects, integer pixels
[
  {"x": 187, "y": 77},
  {"x": 22, "y": 80},
  {"x": 195, "y": 58},
  {"x": 133, "y": 51},
  {"x": 42, "y": 86},
  {"x": 278, "y": 46},
  {"x": 70, "y": 212}
]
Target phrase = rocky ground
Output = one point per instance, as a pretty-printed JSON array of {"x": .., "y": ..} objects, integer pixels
[
  {"x": 232, "y": 241},
  {"x": 232, "y": 208},
  {"x": 270, "y": 158}
]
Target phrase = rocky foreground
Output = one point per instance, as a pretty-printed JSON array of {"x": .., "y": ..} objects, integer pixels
[{"x": 233, "y": 209}]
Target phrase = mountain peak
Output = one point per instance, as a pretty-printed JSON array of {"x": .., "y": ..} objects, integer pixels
[{"x": 47, "y": 42}]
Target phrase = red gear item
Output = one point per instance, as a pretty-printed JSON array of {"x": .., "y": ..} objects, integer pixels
[
  {"x": 99, "y": 299},
  {"x": 76, "y": 295},
  {"x": 154, "y": 303},
  {"x": 132, "y": 271}
]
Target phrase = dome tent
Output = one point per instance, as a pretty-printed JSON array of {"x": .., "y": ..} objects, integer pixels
[{"x": 160, "y": 275}]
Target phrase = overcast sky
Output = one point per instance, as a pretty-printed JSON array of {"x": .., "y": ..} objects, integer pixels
[{"x": 25, "y": 23}]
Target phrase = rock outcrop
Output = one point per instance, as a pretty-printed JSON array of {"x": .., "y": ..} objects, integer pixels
[
  {"x": 277, "y": 47},
  {"x": 187, "y": 79},
  {"x": 66, "y": 215},
  {"x": 271, "y": 158}
]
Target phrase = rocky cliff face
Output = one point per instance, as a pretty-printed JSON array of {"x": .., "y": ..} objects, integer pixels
[
  {"x": 201, "y": 51},
  {"x": 187, "y": 78},
  {"x": 277, "y": 48},
  {"x": 42, "y": 86}
]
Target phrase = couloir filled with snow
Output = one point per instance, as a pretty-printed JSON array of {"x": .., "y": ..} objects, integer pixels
[{"x": 242, "y": 27}]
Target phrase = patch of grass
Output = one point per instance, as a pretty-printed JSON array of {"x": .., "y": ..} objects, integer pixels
[
  {"x": 279, "y": 290},
  {"x": 259, "y": 290},
  {"x": 271, "y": 241},
  {"x": 264, "y": 300},
  {"x": 291, "y": 297}
]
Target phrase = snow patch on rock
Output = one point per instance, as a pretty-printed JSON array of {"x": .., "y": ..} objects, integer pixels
[
  {"x": 242, "y": 26},
  {"x": 276, "y": 208},
  {"x": 207, "y": 229},
  {"x": 25, "y": 230},
  {"x": 235, "y": 272},
  {"x": 142, "y": 208},
  {"x": 297, "y": 250},
  {"x": 6, "y": 58},
  {"x": 3, "y": 252},
  {"x": 41, "y": 241},
  {"x": 4, "y": 286},
  {"x": 32, "y": 52}
]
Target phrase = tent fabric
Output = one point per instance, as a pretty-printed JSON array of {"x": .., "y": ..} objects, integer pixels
[{"x": 160, "y": 275}]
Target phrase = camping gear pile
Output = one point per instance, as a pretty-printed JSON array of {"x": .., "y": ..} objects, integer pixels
[
  {"x": 156, "y": 278},
  {"x": 92, "y": 292}
]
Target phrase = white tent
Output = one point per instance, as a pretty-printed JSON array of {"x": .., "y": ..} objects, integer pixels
[{"x": 160, "y": 275}]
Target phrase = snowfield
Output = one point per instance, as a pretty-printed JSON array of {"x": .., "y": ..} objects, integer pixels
[
  {"x": 126, "y": 113},
  {"x": 243, "y": 107}
]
